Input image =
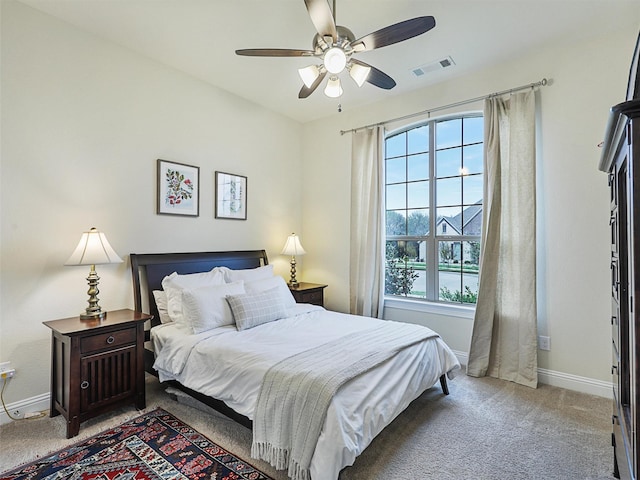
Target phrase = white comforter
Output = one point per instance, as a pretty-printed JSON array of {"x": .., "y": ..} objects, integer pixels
[{"x": 229, "y": 365}]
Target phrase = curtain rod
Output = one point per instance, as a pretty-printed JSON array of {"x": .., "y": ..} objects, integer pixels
[{"x": 541, "y": 83}]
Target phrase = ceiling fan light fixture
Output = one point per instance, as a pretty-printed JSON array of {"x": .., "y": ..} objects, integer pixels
[
  {"x": 333, "y": 88},
  {"x": 335, "y": 60},
  {"x": 359, "y": 73},
  {"x": 309, "y": 74}
]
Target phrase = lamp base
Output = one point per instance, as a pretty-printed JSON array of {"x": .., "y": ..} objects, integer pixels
[
  {"x": 293, "y": 282},
  {"x": 93, "y": 315}
]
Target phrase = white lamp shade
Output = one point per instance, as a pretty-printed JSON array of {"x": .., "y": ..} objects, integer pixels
[
  {"x": 335, "y": 60},
  {"x": 309, "y": 74},
  {"x": 333, "y": 88},
  {"x": 93, "y": 249},
  {"x": 359, "y": 73},
  {"x": 293, "y": 246}
]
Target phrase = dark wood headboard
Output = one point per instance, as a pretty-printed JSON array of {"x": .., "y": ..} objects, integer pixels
[{"x": 148, "y": 270}]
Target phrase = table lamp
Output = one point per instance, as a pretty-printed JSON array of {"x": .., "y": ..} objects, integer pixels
[
  {"x": 293, "y": 247},
  {"x": 93, "y": 249}
]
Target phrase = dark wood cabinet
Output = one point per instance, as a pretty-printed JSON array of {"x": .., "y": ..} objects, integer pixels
[
  {"x": 308, "y": 293},
  {"x": 621, "y": 160},
  {"x": 96, "y": 365}
]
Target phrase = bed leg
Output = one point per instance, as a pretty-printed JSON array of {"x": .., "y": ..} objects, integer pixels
[{"x": 443, "y": 384}]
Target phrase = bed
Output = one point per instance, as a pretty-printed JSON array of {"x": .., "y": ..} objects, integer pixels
[{"x": 232, "y": 366}]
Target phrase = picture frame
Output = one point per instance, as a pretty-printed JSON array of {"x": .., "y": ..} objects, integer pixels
[
  {"x": 178, "y": 189},
  {"x": 231, "y": 196}
]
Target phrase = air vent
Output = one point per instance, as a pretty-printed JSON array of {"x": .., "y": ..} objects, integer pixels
[{"x": 443, "y": 63}]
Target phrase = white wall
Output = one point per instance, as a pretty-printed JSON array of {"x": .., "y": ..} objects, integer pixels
[
  {"x": 572, "y": 204},
  {"x": 83, "y": 122}
]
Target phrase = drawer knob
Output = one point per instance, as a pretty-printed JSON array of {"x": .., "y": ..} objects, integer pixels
[
  {"x": 84, "y": 385},
  {"x": 110, "y": 339}
]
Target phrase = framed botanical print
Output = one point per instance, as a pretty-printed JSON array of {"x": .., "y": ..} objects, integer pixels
[
  {"x": 231, "y": 196},
  {"x": 178, "y": 189}
]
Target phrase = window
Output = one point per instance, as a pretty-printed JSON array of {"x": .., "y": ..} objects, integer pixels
[{"x": 434, "y": 188}]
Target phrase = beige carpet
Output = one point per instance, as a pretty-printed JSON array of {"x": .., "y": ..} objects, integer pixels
[{"x": 485, "y": 429}]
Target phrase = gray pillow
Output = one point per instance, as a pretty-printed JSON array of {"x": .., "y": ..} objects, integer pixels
[{"x": 250, "y": 310}]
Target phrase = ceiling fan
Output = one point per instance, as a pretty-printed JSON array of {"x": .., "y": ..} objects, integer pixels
[{"x": 335, "y": 46}]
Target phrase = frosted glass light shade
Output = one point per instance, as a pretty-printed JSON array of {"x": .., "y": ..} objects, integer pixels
[
  {"x": 309, "y": 74},
  {"x": 93, "y": 249},
  {"x": 335, "y": 60},
  {"x": 293, "y": 246},
  {"x": 359, "y": 73},
  {"x": 333, "y": 88}
]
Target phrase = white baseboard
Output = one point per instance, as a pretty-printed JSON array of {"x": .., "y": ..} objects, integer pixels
[
  {"x": 18, "y": 409},
  {"x": 563, "y": 380},
  {"x": 575, "y": 382}
]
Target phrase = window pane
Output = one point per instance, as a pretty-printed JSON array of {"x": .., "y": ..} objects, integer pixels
[
  {"x": 471, "y": 259},
  {"x": 449, "y": 221},
  {"x": 417, "y": 167},
  {"x": 396, "y": 170},
  {"x": 457, "y": 277},
  {"x": 449, "y": 191},
  {"x": 448, "y": 162},
  {"x": 418, "y": 140},
  {"x": 472, "y": 188},
  {"x": 458, "y": 271},
  {"x": 472, "y": 220},
  {"x": 396, "y": 146},
  {"x": 448, "y": 133},
  {"x": 418, "y": 195},
  {"x": 396, "y": 196},
  {"x": 404, "y": 268},
  {"x": 396, "y": 222},
  {"x": 472, "y": 160},
  {"x": 473, "y": 130},
  {"x": 418, "y": 222},
  {"x": 449, "y": 256}
]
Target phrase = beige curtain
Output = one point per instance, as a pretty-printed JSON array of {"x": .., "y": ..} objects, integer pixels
[
  {"x": 504, "y": 338},
  {"x": 367, "y": 223}
]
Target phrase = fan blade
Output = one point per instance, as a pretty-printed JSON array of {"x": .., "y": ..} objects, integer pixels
[
  {"x": 394, "y": 33},
  {"x": 306, "y": 91},
  {"x": 377, "y": 77},
  {"x": 274, "y": 52},
  {"x": 322, "y": 18}
]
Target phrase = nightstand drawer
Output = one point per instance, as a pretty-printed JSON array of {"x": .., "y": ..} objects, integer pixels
[
  {"x": 305, "y": 292},
  {"x": 315, "y": 297},
  {"x": 95, "y": 343}
]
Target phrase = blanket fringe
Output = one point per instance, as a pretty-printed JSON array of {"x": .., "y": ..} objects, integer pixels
[{"x": 279, "y": 459}]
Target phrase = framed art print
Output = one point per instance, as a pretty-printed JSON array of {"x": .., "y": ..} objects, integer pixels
[
  {"x": 231, "y": 196},
  {"x": 178, "y": 189}
]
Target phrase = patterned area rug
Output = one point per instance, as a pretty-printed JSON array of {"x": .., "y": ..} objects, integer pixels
[{"x": 153, "y": 446}]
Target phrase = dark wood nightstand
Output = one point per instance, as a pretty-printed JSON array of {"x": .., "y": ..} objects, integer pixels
[
  {"x": 96, "y": 365},
  {"x": 308, "y": 293}
]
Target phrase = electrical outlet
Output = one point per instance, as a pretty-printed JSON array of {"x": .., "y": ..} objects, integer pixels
[
  {"x": 6, "y": 371},
  {"x": 544, "y": 343}
]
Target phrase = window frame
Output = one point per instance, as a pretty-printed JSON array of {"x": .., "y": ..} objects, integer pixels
[{"x": 431, "y": 303}]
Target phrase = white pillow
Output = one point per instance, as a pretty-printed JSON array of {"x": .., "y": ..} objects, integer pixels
[
  {"x": 161, "y": 303},
  {"x": 249, "y": 274},
  {"x": 275, "y": 282},
  {"x": 205, "y": 308},
  {"x": 174, "y": 284},
  {"x": 250, "y": 310}
]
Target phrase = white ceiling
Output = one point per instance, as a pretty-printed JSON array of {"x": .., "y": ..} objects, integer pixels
[{"x": 200, "y": 37}]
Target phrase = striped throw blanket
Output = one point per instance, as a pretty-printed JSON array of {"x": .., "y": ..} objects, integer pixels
[{"x": 296, "y": 392}]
